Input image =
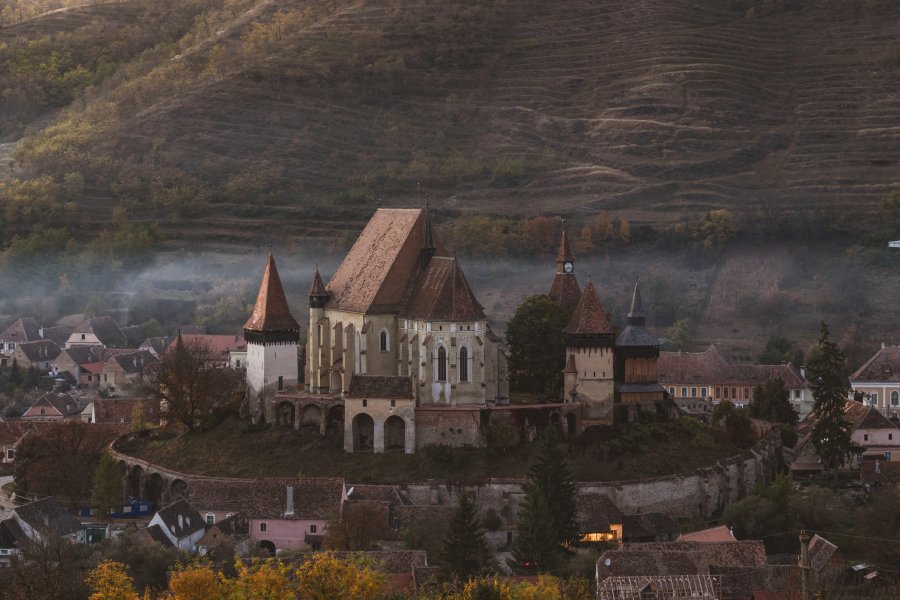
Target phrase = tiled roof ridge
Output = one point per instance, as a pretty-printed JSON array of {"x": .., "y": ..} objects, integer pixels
[
  {"x": 884, "y": 350},
  {"x": 271, "y": 311}
]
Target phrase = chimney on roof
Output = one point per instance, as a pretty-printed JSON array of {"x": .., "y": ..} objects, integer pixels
[{"x": 289, "y": 508}]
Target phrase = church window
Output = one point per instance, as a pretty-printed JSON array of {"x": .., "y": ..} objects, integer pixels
[
  {"x": 895, "y": 398},
  {"x": 383, "y": 340},
  {"x": 441, "y": 364},
  {"x": 280, "y": 382},
  {"x": 464, "y": 364}
]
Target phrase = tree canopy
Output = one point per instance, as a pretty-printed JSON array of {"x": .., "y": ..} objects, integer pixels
[
  {"x": 536, "y": 345},
  {"x": 464, "y": 552},
  {"x": 831, "y": 432},
  {"x": 772, "y": 402}
]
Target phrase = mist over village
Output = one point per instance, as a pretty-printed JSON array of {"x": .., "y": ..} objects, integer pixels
[{"x": 444, "y": 300}]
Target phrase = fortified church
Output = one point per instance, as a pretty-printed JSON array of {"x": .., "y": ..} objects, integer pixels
[{"x": 400, "y": 355}]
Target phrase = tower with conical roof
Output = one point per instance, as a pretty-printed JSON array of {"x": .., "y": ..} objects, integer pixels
[
  {"x": 590, "y": 341},
  {"x": 637, "y": 352},
  {"x": 272, "y": 336},
  {"x": 565, "y": 290},
  {"x": 316, "y": 368}
]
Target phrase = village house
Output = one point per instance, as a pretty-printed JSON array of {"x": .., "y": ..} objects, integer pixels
[
  {"x": 226, "y": 538},
  {"x": 220, "y": 347},
  {"x": 122, "y": 370},
  {"x": 598, "y": 519},
  {"x": 877, "y": 381},
  {"x": 878, "y": 436},
  {"x": 98, "y": 331},
  {"x": 181, "y": 525},
  {"x": 40, "y": 354},
  {"x": 83, "y": 363},
  {"x": 649, "y": 527},
  {"x": 155, "y": 345},
  {"x": 697, "y": 381},
  {"x": 41, "y": 521},
  {"x": 720, "y": 533},
  {"x": 11, "y": 433},
  {"x": 57, "y": 335},
  {"x": 23, "y": 330},
  {"x": 53, "y": 407}
]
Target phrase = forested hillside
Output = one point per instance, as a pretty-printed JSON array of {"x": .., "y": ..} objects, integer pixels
[{"x": 241, "y": 121}]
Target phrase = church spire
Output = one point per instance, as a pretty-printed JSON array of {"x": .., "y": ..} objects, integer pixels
[
  {"x": 636, "y": 314},
  {"x": 564, "y": 258},
  {"x": 271, "y": 312},
  {"x": 565, "y": 290},
  {"x": 428, "y": 247},
  {"x": 318, "y": 295}
]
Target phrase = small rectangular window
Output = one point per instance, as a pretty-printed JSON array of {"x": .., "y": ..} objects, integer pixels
[
  {"x": 280, "y": 382},
  {"x": 210, "y": 519},
  {"x": 693, "y": 392},
  {"x": 365, "y": 403},
  {"x": 718, "y": 392},
  {"x": 393, "y": 403},
  {"x": 312, "y": 528},
  {"x": 672, "y": 391},
  {"x": 887, "y": 456},
  {"x": 865, "y": 437},
  {"x": 684, "y": 392},
  {"x": 703, "y": 392},
  {"x": 263, "y": 527},
  {"x": 726, "y": 393}
]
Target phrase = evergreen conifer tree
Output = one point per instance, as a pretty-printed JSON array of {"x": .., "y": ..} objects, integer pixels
[
  {"x": 831, "y": 432},
  {"x": 547, "y": 516},
  {"x": 108, "y": 490},
  {"x": 464, "y": 552}
]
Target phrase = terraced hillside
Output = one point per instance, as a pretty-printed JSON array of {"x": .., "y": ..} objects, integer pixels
[{"x": 289, "y": 118}]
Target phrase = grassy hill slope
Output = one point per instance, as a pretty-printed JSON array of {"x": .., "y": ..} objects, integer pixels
[{"x": 286, "y": 119}]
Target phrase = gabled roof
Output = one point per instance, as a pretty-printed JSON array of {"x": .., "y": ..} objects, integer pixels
[
  {"x": 48, "y": 517},
  {"x": 82, "y": 355},
  {"x": 114, "y": 410},
  {"x": 189, "y": 521},
  {"x": 314, "y": 497},
  {"x": 133, "y": 336},
  {"x": 133, "y": 362},
  {"x": 713, "y": 534},
  {"x": 13, "y": 431},
  {"x": 884, "y": 366},
  {"x": 712, "y": 367},
  {"x": 156, "y": 533},
  {"x": 862, "y": 416},
  {"x": 644, "y": 525},
  {"x": 59, "y": 335},
  {"x": 441, "y": 293},
  {"x": 156, "y": 345},
  {"x": 39, "y": 350},
  {"x": 105, "y": 328},
  {"x": 594, "y": 513},
  {"x": 62, "y": 403},
  {"x": 375, "y": 275},
  {"x": 589, "y": 318},
  {"x": 271, "y": 311},
  {"x": 23, "y": 330},
  {"x": 679, "y": 558},
  {"x": 378, "y": 386},
  {"x": 820, "y": 552},
  {"x": 218, "y": 345}
]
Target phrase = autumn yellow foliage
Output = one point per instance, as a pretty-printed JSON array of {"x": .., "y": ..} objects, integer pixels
[{"x": 110, "y": 581}]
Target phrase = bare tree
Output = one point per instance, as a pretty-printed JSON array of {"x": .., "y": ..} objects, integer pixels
[{"x": 191, "y": 386}]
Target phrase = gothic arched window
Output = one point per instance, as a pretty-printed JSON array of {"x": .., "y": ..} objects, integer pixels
[
  {"x": 383, "y": 340},
  {"x": 463, "y": 364},
  {"x": 441, "y": 364}
]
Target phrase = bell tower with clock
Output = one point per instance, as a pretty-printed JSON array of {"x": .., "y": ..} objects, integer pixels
[{"x": 565, "y": 290}]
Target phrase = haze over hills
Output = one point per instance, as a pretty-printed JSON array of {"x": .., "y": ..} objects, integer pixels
[{"x": 266, "y": 119}]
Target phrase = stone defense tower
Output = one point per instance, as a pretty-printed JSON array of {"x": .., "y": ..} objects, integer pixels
[
  {"x": 272, "y": 337},
  {"x": 590, "y": 341},
  {"x": 565, "y": 290},
  {"x": 316, "y": 359}
]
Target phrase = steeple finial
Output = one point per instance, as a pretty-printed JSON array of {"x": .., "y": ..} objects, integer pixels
[{"x": 636, "y": 314}]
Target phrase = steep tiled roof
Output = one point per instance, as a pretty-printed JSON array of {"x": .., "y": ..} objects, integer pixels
[
  {"x": 48, "y": 517},
  {"x": 648, "y": 525},
  {"x": 314, "y": 497},
  {"x": 189, "y": 521},
  {"x": 441, "y": 293},
  {"x": 23, "y": 330},
  {"x": 376, "y": 273},
  {"x": 594, "y": 513},
  {"x": 271, "y": 312},
  {"x": 820, "y": 552},
  {"x": 133, "y": 362},
  {"x": 133, "y": 336},
  {"x": 12, "y": 431},
  {"x": 565, "y": 251},
  {"x": 63, "y": 403},
  {"x": 861, "y": 416},
  {"x": 589, "y": 318},
  {"x": 114, "y": 410},
  {"x": 679, "y": 558},
  {"x": 155, "y": 533},
  {"x": 82, "y": 355},
  {"x": 377, "y": 386},
  {"x": 712, "y": 367},
  {"x": 59, "y": 335},
  {"x": 317, "y": 289},
  {"x": 156, "y": 345},
  {"x": 105, "y": 328},
  {"x": 565, "y": 291},
  {"x": 884, "y": 366},
  {"x": 40, "y": 350}
]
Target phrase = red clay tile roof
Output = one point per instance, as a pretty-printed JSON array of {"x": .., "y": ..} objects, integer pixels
[
  {"x": 441, "y": 293},
  {"x": 595, "y": 513},
  {"x": 375, "y": 275},
  {"x": 23, "y": 330},
  {"x": 314, "y": 497},
  {"x": 565, "y": 251},
  {"x": 883, "y": 366},
  {"x": 565, "y": 291},
  {"x": 115, "y": 411},
  {"x": 712, "y": 367},
  {"x": 376, "y": 386},
  {"x": 93, "y": 367},
  {"x": 271, "y": 312},
  {"x": 713, "y": 534},
  {"x": 317, "y": 289},
  {"x": 218, "y": 345},
  {"x": 589, "y": 317}
]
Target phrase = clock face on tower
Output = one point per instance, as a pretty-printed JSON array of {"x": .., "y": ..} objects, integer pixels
[{"x": 567, "y": 267}]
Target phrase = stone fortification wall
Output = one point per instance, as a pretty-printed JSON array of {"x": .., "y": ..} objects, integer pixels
[{"x": 701, "y": 493}]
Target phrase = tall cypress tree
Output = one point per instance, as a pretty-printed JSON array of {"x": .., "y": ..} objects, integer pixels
[
  {"x": 464, "y": 553},
  {"x": 831, "y": 432},
  {"x": 547, "y": 515}
]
